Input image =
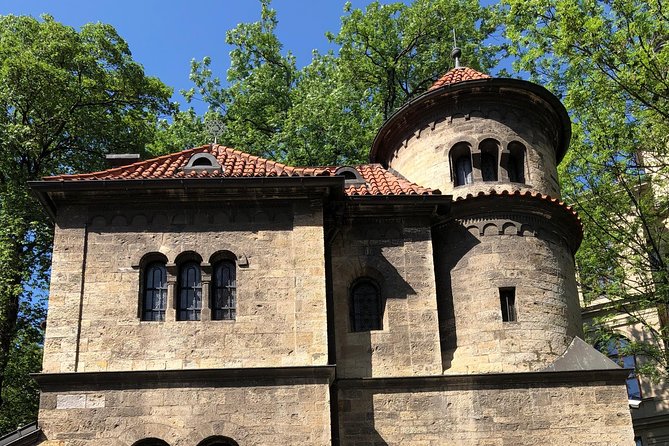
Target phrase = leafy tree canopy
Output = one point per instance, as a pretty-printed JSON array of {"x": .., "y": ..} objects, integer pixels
[
  {"x": 329, "y": 111},
  {"x": 609, "y": 61},
  {"x": 67, "y": 97}
]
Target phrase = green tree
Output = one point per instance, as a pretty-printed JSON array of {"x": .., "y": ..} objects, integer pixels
[
  {"x": 328, "y": 112},
  {"x": 184, "y": 130},
  {"x": 394, "y": 52},
  {"x": 67, "y": 98},
  {"x": 608, "y": 60},
  {"x": 20, "y": 393}
]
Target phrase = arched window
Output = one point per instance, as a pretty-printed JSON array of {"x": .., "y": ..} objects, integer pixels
[
  {"x": 224, "y": 291},
  {"x": 366, "y": 310},
  {"x": 489, "y": 154},
  {"x": 461, "y": 164},
  {"x": 515, "y": 166},
  {"x": 154, "y": 294},
  {"x": 217, "y": 440},
  {"x": 463, "y": 170},
  {"x": 190, "y": 292},
  {"x": 150, "y": 442},
  {"x": 616, "y": 349}
]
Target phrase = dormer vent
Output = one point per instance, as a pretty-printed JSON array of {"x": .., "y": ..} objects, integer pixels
[
  {"x": 350, "y": 174},
  {"x": 202, "y": 162}
]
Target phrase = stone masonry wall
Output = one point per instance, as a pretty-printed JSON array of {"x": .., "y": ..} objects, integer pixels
[
  {"x": 281, "y": 305},
  {"x": 534, "y": 415},
  {"x": 474, "y": 260},
  {"x": 183, "y": 416},
  {"x": 423, "y": 154},
  {"x": 398, "y": 254}
]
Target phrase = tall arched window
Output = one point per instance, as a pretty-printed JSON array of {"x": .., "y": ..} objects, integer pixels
[
  {"x": 461, "y": 164},
  {"x": 463, "y": 170},
  {"x": 190, "y": 292},
  {"x": 515, "y": 167},
  {"x": 224, "y": 291},
  {"x": 616, "y": 349},
  {"x": 489, "y": 154},
  {"x": 154, "y": 294},
  {"x": 366, "y": 305}
]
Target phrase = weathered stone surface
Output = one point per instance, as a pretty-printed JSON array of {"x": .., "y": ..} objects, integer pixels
[
  {"x": 594, "y": 414},
  {"x": 281, "y": 318},
  {"x": 398, "y": 255},
  {"x": 472, "y": 265},
  {"x": 251, "y": 415}
]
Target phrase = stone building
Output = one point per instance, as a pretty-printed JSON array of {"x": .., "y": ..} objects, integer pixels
[
  {"x": 648, "y": 399},
  {"x": 210, "y": 297}
]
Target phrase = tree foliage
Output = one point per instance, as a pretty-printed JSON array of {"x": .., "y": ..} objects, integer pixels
[
  {"x": 328, "y": 112},
  {"x": 66, "y": 98},
  {"x": 609, "y": 62},
  {"x": 20, "y": 394},
  {"x": 394, "y": 52}
]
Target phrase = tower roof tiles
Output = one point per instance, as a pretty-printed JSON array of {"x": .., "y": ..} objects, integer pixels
[{"x": 458, "y": 74}]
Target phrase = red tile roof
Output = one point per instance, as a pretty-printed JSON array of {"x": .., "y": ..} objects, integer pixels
[
  {"x": 456, "y": 75},
  {"x": 237, "y": 164}
]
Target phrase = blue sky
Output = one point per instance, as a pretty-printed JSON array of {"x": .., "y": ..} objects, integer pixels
[{"x": 165, "y": 35}]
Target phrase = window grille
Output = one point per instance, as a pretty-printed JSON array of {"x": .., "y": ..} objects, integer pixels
[
  {"x": 190, "y": 292},
  {"x": 365, "y": 306},
  {"x": 507, "y": 299},
  {"x": 224, "y": 291},
  {"x": 489, "y": 155},
  {"x": 488, "y": 167},
  {"x": 155, "y": 292}
]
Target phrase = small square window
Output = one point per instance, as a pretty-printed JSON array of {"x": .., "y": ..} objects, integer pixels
[{"x": 507, "y": 300}]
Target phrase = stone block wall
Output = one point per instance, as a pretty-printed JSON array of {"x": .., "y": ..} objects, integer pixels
[
  {"x": 398, "y": 254},
  {"x": 531, "y": 414},
  {"x": 281, "y": 305},
  {"x": 422, "y": 155},
  {"x": 251, "y": 415},
  {"x": 477, "y": 257}
]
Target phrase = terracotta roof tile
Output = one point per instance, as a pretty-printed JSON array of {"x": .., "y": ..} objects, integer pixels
[
  {"x": 378, "y": 181},
  {"x": 456, "y": 75}
]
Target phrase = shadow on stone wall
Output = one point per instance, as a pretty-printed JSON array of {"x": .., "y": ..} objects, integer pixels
[
  {"x": 452, "y": 243},
  {"x": 356, "y": 415}
]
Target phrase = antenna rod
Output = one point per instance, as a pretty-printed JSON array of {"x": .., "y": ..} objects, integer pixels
[{"x": 456, "y": 53}]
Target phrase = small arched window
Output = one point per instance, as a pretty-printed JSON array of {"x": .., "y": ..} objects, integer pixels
[
  {"x": 154, "y": 294},
  {"x": 190, "y": 292},
  {"x": 617, "y": 349},
  {"x": 366, "y": 305},
  {"x": 463, "y": 170},
  {"x": 218, "y": 440},
  {"x": 515, "y": 167},
  {"x": 489, "y": 154},
  {"x": 462, "y": 164},
  {"x": 224, "y": 291},
  {"x": 150, "y": 442}
]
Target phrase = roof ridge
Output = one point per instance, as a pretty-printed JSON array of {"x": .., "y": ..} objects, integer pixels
[
  {"x": 236, "y": 164},
  {"x": 128, "y": 166}
]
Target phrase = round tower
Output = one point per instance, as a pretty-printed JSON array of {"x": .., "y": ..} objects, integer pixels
[{"x": 504, "y": 256}]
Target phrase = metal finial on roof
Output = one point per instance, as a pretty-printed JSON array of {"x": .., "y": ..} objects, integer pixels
[
  {"x": 456, "y": 52},
  {"x": 215, "y": 127}
]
